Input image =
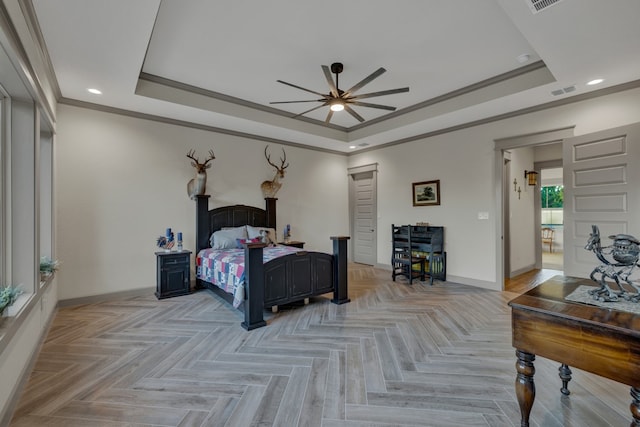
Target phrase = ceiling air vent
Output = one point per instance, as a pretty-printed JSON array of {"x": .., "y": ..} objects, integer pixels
[
  {"x": 539, "y": 5},
  {"x": 567, "y": 89}
]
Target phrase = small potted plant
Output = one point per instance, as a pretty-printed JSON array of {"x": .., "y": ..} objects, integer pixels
[
  {"x": 8, "y": 295},
  {"x": 48, "y": 266}
]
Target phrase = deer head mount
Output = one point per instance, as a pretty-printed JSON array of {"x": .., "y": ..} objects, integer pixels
[
  {"x": 270, "y": 188},
  {"x": 198, "y": 185}
]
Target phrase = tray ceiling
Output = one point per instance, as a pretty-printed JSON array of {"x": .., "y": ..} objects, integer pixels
[{"x": 216, "y": 63}]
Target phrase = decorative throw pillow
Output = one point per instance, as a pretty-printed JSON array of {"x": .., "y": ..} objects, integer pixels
[
  {"x": 241, "y": 242},
  {"x": 226, "y": 239},
  {"x": 268, "y": 235}
]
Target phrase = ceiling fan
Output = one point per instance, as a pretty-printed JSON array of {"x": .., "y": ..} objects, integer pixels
[{"x": 338, "y": 99}]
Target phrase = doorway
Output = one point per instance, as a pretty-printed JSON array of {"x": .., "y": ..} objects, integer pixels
[
  {"x": 552, "y": 218},
  {"x": 363, "y": 211},
  {"x": 518, "y": 202}
]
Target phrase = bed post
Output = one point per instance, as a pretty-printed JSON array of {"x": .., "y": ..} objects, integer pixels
[
  {"x": 202, "y": 222},
  {"x": 340, "y": 290},
  {"x": 254, "y": 286},
  {"x": 271, "y": 212}
]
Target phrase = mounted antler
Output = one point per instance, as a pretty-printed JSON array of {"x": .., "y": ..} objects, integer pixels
[
  {"x": 197, "y": 186},
  {"x": 270, "y": 188}
]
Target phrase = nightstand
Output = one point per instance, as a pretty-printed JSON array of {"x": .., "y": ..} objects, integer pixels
[
  {"x": 293, "y": 243},
  {"x": 173, "y": 274}
]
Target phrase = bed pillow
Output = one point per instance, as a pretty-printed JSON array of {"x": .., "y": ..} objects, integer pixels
[
  {"x": 242, "y": 229},
  {"x": 268, "y": 235},
  {"x": 226, "y": 239}
]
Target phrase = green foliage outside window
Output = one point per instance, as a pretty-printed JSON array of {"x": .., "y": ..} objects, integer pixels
[{"x": 552, "y": 196}]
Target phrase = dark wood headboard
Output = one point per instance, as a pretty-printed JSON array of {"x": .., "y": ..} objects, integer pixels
[{"x": 208, "y": 221}]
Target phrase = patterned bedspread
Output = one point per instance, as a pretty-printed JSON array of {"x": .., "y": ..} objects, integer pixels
[{"x": 225, "y": 268}]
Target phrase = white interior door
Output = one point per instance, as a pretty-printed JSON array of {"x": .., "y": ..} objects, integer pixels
[
  {"x": 601, "y": 187},
  {"x": 364, "y": 217}
]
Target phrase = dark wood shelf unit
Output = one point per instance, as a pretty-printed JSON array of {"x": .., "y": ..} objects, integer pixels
[{"x": 417, "y": 252}]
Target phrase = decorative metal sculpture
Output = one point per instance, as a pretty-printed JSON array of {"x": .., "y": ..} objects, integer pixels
[{"x": 625, "y": 252}]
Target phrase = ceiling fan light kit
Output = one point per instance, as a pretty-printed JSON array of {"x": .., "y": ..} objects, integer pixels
[
  {"x": 337, "y": 106},
  {"x": 338, "y": 99}
]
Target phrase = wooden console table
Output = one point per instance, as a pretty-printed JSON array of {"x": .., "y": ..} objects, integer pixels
[{"x": 598, "y": 340}]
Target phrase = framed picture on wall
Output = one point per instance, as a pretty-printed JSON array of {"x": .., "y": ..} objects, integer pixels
[{"x": 426, "y": 193}]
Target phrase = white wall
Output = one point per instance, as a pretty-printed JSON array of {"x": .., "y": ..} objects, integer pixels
[
  {"x": 466, "y": 179},
  {"x": 522, "y": 230},
  {"x": 122, "y": 181},
  {"x": 463, "y": 161},
  {"x": 548, "y": 152}
]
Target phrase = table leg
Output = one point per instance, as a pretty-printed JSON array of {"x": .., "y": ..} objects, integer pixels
[
  {"x": 565, "y": 376},
  {"x": 635, "y": 406},
  {"x": 525, "y": 388}
]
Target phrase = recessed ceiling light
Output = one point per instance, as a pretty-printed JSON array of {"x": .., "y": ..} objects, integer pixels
[
  {"x": 352, "y": 146},
  {"x": 95, "y": 91},
  {"x": 523, "y": 58},
  {"x": 595, "y": 82}
]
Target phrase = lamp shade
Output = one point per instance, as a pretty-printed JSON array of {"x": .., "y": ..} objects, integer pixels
[
  {"x": 531, "y": 177},
  {"x": 337, "y": 106}
]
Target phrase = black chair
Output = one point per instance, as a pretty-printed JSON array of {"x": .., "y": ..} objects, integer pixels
[
  {"x": 428, "y": 243},
  {"x": 403, "y": 260},
  {"x": 547, "y": 237}
]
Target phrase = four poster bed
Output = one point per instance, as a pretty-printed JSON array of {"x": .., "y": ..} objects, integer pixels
[{"x": 258, "y": 276}]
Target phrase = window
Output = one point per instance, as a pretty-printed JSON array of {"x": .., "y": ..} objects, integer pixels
[
  {"x": 552, "y": 202},
  {"x": 21, "y": 128}
]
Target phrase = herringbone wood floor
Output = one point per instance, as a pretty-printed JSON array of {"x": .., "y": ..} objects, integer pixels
[{"x": 397, "y": 355}]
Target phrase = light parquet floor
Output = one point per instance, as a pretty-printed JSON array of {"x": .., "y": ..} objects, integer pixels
[{"x": 397, "y": 355}]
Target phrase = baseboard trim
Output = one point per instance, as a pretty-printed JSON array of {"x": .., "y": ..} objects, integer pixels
[
  {"x": 93, "y": 299},
  {"x": 383, "y": 266},
  {"x": 493, "y": 286},
  {"x": 522, "y": 270}
]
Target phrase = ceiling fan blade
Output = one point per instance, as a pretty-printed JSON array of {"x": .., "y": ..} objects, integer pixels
[
  {"x": 366, "y": 80},
  {"x": 312, "y": 109},
  {"x": 366, "y": 104},
  {"x": 291, "y": 102},
  {"x": 301, "y": 88},
  {"x": 353, "y": 113},
  {"x": 328, "y": 119},
  {"x": 380, "y": 93},
  {"x": 332, "y": 85}
]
